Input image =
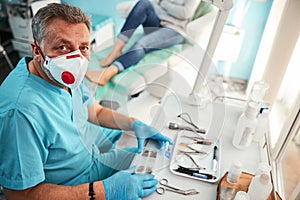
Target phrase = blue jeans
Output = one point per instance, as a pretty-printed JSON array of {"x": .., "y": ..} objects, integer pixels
[{"x": 155, "y": 36}]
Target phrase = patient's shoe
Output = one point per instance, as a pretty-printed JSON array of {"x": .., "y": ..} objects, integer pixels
[{"x": 101, "y": 77}]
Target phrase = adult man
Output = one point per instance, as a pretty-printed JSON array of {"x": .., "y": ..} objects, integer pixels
[{"x": 53, "y": 141}]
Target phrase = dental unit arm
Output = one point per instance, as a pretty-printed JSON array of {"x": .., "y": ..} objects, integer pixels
[{"x": 198, "y": 93}]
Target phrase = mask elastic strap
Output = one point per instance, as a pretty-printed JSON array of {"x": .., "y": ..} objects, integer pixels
[
  {"x": 39, "y": 49},
  {"x": 45, "y": 71}
]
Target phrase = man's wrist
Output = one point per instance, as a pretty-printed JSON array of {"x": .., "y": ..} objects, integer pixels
[
  {"x": 99, "y": 190},
  {"x": 131, "y": 121}
]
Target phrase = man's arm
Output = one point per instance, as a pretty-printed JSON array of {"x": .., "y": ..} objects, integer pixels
[
  {"x": 51, "y": 191},
  {"x": 109, "y": 118}
]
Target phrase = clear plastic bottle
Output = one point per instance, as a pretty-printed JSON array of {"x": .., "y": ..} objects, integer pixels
[
  {"x": 260, "y": 187},
  {"x": 258, "y": 91},
  {"x": 241, "y": 195},
  {"x": 246, "y": 126},
  {"x": 227, "y": 193},
  {"x": 262, "y": 125}
]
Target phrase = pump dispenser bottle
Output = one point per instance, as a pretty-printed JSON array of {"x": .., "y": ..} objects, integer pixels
[
  {"x": 246, "y": 127},
  {"x": 262, "y": 125}
]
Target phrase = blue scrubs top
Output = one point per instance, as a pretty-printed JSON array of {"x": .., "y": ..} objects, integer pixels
[{"x": 44, "y": 133}]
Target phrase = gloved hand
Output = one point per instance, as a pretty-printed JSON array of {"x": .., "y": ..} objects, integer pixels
[
  {"x": 129, "y": 186},
  {"x": 144, "y": 131}
]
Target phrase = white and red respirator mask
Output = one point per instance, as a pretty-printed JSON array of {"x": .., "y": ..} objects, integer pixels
[{"x": 68, "y": 69}]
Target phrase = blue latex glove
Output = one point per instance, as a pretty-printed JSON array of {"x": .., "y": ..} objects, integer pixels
[
  {"x": 128, "y": 185},
  {"x": 144, "y": 131}
]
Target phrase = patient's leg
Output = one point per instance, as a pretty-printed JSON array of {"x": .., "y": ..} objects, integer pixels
[
  {"x": 115, "y": 53},
  {"x": 143, "y": 13},
  {"x": 101, "y": 77}
]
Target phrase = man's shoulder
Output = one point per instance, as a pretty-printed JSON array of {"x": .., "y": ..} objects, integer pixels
[
  {"x": 14, "y": 89},
  {"x": 11, "y": 83}
]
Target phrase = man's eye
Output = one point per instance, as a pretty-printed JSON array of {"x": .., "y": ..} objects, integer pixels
[
  {"x": 84, "y": 48},
  {"x": 62, "y": 48}
]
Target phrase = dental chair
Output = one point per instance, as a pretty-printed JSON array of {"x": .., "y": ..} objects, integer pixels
[{"x": 149, "y": 72}]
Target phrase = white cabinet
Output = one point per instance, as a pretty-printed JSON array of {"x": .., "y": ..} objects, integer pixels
[
  {"x": 102, "y": 35},
  {"x": 19, "y": 18}
]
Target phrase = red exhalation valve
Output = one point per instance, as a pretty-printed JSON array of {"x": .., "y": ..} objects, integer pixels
[{"x": 67, "y": 77}]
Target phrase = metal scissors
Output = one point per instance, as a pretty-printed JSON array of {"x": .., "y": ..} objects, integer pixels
[{"x": 165, "y": 187}]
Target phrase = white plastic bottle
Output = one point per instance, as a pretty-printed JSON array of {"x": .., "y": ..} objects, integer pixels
[
  {"x": 234, "y": 172},
  {"x": 246, "y": 126},
  {"x": 263, "y": 168},
  {"x": 260, "y": 187},
  {"x": 229, "y": 192},
  {"x": 262, "y": 125}
]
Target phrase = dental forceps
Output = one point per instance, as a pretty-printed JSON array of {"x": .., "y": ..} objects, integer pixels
[{"x": 166, "y": 187}]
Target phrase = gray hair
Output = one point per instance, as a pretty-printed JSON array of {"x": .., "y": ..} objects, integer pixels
[{"x": 68, "y": 13}]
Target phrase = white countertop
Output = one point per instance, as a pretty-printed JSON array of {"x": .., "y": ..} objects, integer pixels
[{"x": 220, "y": 121}]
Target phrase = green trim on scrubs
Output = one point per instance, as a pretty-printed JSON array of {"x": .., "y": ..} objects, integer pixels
[{"x": 45, "y": 136}]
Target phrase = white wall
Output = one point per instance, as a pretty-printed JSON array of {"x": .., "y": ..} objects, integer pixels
[{"x": 279, "y": 39}]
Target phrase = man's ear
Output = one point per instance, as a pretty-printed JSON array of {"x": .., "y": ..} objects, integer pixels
[{"x": 34, "y": 49}]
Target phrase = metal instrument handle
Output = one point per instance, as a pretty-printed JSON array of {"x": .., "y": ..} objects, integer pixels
[
  {"x": 164, "y": 182},
  {"x": 160, "y": 190}
]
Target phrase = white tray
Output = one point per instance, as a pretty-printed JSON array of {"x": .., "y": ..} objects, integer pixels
[{"x": 203, "y": 160}]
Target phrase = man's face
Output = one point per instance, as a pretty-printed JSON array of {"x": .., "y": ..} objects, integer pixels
[{"x": 63, "y": 38}]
